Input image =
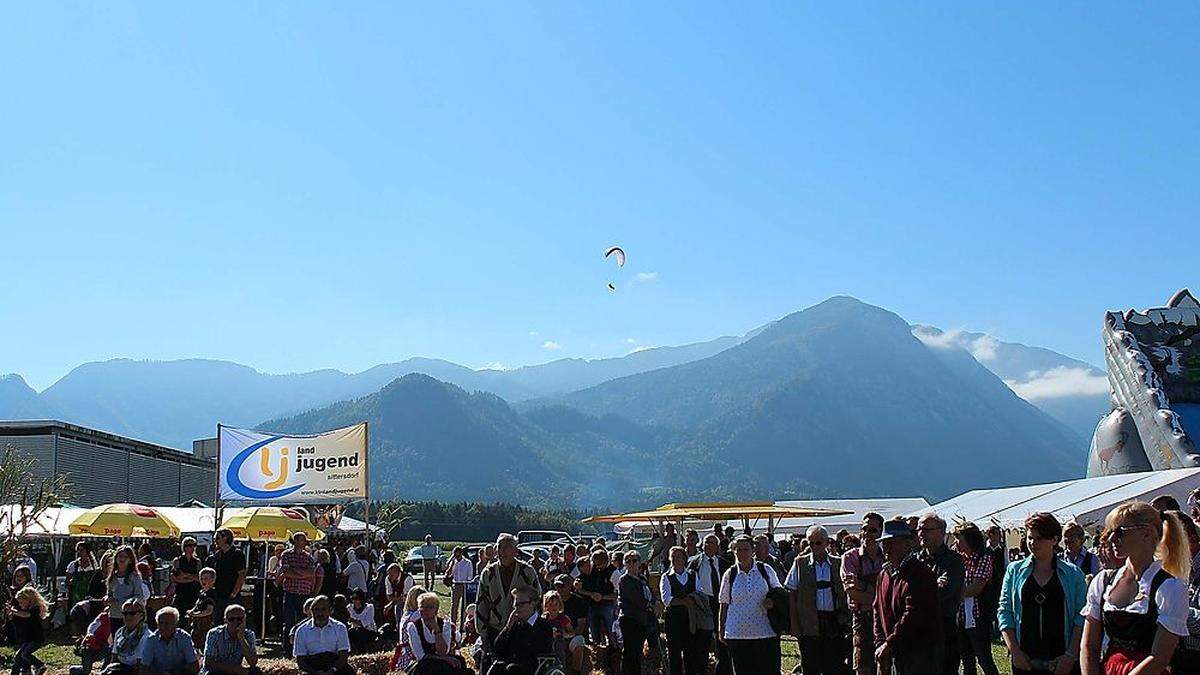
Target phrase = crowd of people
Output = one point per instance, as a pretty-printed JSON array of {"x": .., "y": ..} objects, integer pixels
[{"x": 902, "y": 596}]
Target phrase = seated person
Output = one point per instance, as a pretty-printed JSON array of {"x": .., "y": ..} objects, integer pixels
[
  {"x": 470, "y": 633},
  {"x": 227, "y": 647},
  {"x": 575, "y": 606},
  {"x": 200, "y": 616},
  {"x": 341, "y": 609},
  {"x": 526, "y": 636},
  {"x": 93, "y": 646},
  {"x": 166, "y": 650},
  {"x": 569, "y": 646},
  {"x": 409, "y": 612},
  {"x": 431, "y": 638},
  {"x": 127, "y": 639},
  {"x": 361, "y": 623},
  {"x": 321, "y": 644}
]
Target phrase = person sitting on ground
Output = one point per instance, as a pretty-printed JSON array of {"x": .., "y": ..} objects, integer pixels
[
  {"x": 525, "y": 637},
  {"x": 575, "y": 606},
  {"x": 200, "y": 615},
  {"x": 93, "y": 646},
  {"x": 469, "y": 635},
  {"x": 227, "y": 647},
  {"x": 127, "y": 640},
  {"x": 431, "y": 638},
  {"x": 341, "y": 609},
  {"x": 361, "y": 624},
  {"x": 322, "y": 644},
  {"x": 569, "y": 646},
  {"x": 408, "y": 613},
  {"x": 167, "y": 650},
  {"x": 25, "y": 617}
]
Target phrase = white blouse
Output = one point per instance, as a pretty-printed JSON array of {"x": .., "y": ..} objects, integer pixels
[
  {"x": 1171, "y": 600},
  {"x": 366, "y": 617},
  {"x": 414, "y": 641},
  {"x": 746, "y": 618}
]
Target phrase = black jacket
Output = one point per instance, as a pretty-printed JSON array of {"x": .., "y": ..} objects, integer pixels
[{"x": 522, "y": 643}]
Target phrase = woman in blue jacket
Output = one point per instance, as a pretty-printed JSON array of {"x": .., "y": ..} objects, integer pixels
[{"x": 1040, "y": 603}]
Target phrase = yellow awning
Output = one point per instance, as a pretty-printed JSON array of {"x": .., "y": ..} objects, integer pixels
[
  {"x": 124, "y": 520},
  {"x": 717, "y": 511}
]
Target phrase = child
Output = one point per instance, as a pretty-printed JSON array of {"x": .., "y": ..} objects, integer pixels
[
  {"x": 26, "y": 615},
  {"x": 201, "y": 614},
  {"x": 403, "y": 657},
  {"x": 570, "y": 648}
]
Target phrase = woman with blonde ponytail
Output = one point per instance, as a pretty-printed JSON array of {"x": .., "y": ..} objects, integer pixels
[{"x": 1139, "y": 610}]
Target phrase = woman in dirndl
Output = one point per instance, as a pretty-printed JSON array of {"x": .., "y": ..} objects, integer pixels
[{"x": 1137, "y": 612}]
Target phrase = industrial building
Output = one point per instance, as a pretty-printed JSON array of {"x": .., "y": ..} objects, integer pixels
[{"x": 105, "y": 468}]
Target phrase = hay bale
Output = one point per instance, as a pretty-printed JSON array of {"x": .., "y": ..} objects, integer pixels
[{"x": 366, "y": 664}]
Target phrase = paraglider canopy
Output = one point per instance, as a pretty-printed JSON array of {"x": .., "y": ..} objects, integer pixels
[{"x": 618, "y": 252}]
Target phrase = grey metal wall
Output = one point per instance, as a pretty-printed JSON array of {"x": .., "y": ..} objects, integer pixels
[
  {"x": 40, "y": 448},
  {"x": 103, "y": 473}
]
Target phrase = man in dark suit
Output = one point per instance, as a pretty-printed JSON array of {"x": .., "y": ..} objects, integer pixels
[
  {"x": 524, "y": 638},
  {"x": 820, "y": 616},
  {"x": 708, "y": 566}
]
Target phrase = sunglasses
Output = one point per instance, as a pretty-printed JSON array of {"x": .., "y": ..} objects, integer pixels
[{"x": 1122, "y": 530}]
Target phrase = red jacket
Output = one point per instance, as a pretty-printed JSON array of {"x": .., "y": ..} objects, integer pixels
[{"x": 906, "y": 608}]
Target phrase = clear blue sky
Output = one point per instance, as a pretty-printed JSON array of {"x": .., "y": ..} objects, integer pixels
[{"x": 295, "y": 186}]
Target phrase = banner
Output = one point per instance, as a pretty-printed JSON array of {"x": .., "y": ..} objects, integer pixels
[{"x": 263, "y": 467}]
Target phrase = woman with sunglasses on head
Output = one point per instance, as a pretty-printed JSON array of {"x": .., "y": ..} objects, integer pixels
[
  {"x": 1136, "y": 613},
  {"x": 635, "y": 614},
  {"x": 124, "y": 582},
  {"x": 744, "y": 625},
  {"x": 1040, "y": 602}
]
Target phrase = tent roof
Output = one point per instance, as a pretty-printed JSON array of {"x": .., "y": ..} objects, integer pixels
[
  {"x": 1085, "y": 500},
  {"x": 715, "y": 511},
  {"x": 855, "y": 509}
]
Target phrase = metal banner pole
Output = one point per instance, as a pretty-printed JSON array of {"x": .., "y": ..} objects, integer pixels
[{"x": 367, "y": 482}]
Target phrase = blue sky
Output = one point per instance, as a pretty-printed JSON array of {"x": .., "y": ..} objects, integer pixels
[{"x": 294, "y": 186}]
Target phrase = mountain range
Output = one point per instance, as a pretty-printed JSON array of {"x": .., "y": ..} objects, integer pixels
[{"x": 842, "y": 398}]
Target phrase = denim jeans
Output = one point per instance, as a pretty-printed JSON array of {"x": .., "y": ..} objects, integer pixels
[{"x": 601, "y": 615}]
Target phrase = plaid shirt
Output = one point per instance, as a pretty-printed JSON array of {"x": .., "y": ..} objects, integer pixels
[
  {"x": 220, "y": 647},
  {"x": 294, "y": 560},
  {"x": 976, "y": 568}
]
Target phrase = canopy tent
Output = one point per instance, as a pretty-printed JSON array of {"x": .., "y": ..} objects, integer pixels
[
  {"x": 686, "y": 515},
  {"x": 350, "y": 526},
  {"x": 854, "y": 510},
  {"x": 1085, "y": 500},
  {"x": 53, "y": 522}
]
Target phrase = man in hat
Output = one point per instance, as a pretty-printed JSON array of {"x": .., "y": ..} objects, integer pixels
[{"x": 908, "y": 627}]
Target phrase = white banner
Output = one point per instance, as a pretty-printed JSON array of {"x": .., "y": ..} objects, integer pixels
[{"x": 266, "y": 467}]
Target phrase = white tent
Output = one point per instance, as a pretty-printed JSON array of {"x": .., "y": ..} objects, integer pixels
[
  {"x": 888, "y": 507},
  {"x": 1085, "y": 500},
  {"x": 52, "y": 522}
]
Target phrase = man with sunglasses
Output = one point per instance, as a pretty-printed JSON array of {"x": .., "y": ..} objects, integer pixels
[
  {"x": 227, "y": 647},
  {"x": 127, "y": 639},
  {"x": 820, "y": 617},
  {"x": 860, "y": 572}
]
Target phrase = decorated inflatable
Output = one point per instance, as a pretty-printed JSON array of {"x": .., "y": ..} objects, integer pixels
[{"x": 1153, "y": 360}]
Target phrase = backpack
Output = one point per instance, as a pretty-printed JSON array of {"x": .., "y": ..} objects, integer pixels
[{"x": 780, "y": 614}]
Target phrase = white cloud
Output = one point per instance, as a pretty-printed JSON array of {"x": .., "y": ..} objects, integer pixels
[
  {"x": 1060, "y": 382},
  {"x": 646, "y": 277},
  {"x": 632, "y": 341},
  {"x": 495, "y": 365},
  {"x": 943, "y": 340},
  {"x": 533, "y": 333},
  {"x": 552, "y": 345},
  {"x": 983, "y": 348}
]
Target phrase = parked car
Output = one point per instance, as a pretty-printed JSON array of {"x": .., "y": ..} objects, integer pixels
[{"x": 543, "y": 536}]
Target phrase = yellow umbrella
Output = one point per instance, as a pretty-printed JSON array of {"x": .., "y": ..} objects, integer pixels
[
  {"x": 123, "y": 520},
  {"x": 269, "y": 523}
]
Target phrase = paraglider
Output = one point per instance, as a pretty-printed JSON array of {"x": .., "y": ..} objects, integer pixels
[{"x": 619, "y": 254}]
